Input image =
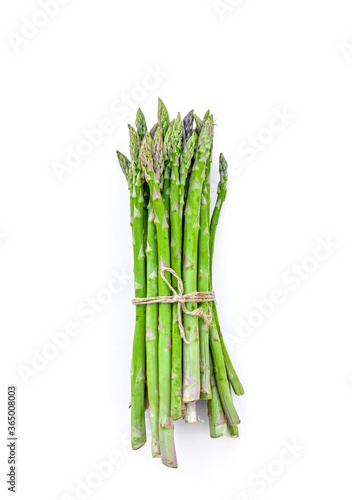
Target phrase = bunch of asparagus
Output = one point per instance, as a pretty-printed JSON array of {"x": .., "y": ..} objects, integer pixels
[{"x": 168, "y": 178}]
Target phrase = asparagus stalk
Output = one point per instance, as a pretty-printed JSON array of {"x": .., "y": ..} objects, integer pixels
[
  {"x": 217, "y": 420},
  {"x": 183, "y": 409},
  {"x": 152, "y": 332},
  {"x": 141, "y": 127},
  {"x": 154, "y": 129},
  {"x": 138, "y": 432},
  {"x": 221, "y": 374},
  {"x": 126, "y": 167},
  {"x": 233, "y": 428},
  {"x": 190, "y": 410},
  {"x": 152, "y": 160},
  {"x": 203, "y": 286},
  {"x": 163, "y": 117},
  {"x": 215, "y": 342},
  {"x": 167, "y": 170},
  {"x": 221, "y": 196},
  {"x": 231, "y": 372},
  {"x": 199, "y": 123},
  {"x": 141, "y": 124},
  {"x": 204, "y": 281},
  {"x": 233, "y": 431},
  {"x": 176, "y": 242},
  {"x": 187, "y": 127},
  {"x": 186, "y": 161},
  {"x": 190, "y": 415},
  {"x": 191, "y": 375}
]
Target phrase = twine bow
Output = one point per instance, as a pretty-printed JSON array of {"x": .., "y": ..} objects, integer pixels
[{"x": 181, "y": 300}]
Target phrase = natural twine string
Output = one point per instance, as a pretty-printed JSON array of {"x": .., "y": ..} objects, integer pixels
[{"x": 181, "y": 300}]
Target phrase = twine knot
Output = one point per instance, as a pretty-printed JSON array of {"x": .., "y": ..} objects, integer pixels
[{"x": 181, "y": 299}]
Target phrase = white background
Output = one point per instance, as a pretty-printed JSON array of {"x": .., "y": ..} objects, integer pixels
[{"x": 61, "y": 241}]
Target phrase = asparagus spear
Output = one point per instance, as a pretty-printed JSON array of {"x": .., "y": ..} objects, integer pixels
[
  {"x": 222, "y": 191},
  {"x": 221, "y": 196},
  {"x": 231, "y": 372},
  {"x": 152, "y": 160},
  {"x": 233, "y": 428},
  {"x": 167, "y": 170},
  {"x": 138, "y": 433},
  {"x": 141, "y": 124},
  {"x": 199, "y": 124},
  {"x": 190, "y": 415},
  {"x": 163, "y": 117},
  {"x": 125, "y": 165},
  {"x": 191, "y": 375},
  {"x": 152, "y": 393},
  {"x": 186, "y": 175},
  {"x": 187, "y": 127},
  {"x": 190, "y": 412},
  {"x": 217, "y": 420},
  {"x": 203, "y": 286},
  {"x": 152, "y": 332},
  {"x": 186, "y": 161},
  {"x": 233, "y": 431},
  {"x": 154, "y": 129},
  {"x": 204, "y": 280},
  {"x": 215, "y": 342},
  {"x": 221, "y": 374},
  {"x": 176, "y": 242}
]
